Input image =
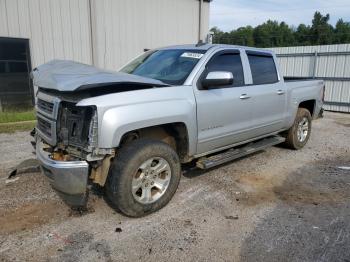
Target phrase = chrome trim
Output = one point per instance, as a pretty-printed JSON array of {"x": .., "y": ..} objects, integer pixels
[
  {"x": 68, "y": 177},
  {"x": 244, "y": 96},
  {"x": 47, "y": 117},
  {"x": 50, "y": 99},
  {"x": 53, "y": 139},
  {"x": 219, "y": 75}
]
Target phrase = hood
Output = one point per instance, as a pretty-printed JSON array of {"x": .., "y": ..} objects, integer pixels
[{"x": 70, "y": 76}]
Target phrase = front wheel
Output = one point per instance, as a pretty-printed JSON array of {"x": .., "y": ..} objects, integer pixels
[
  {"x": 298, "y": 135},
  {"x": 143, "y": 177}
]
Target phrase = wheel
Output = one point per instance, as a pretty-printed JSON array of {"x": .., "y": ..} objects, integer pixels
[
  {"x": 143, "y": 177},
  {"x": 298, "y": 135}
]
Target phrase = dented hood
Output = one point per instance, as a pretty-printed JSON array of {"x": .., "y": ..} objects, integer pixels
[{"x": 69, "y": 76}]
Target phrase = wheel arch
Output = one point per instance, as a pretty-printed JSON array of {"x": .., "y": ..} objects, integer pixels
[
  {"x": 174, "y": 134},
  {"x": 309, "y": 105}
]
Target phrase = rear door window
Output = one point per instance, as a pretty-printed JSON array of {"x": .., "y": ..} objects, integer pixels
[
  {"x": 263, "y": 68},
  {"x": 229, "y": 62}
]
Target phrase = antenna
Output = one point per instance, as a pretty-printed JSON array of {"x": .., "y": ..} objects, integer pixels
[{"x": 200, "y": 43}]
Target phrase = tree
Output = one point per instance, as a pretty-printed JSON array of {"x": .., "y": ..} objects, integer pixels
[
  {"x": 218, "y": 35},
  {"x": 275, "y": 34},
  {"x": 243, "y": 36},
  {"x": 303, "y": 35},
  {"x": 271, "y": 34},
  {"x": 286, "y": 34},
  {"x": 341, "y": 32},
  {"x": 321, "y": 30},
  {"x": 265, "y": 34}
]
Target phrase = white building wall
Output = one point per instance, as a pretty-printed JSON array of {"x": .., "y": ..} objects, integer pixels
[
  {"x": 123, "y": 29},
  {"x": 117, "y": 32},
  {"x": 56, "y": 28}
]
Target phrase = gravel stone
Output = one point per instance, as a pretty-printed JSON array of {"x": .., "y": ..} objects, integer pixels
[{"x": 277, "y": 205}]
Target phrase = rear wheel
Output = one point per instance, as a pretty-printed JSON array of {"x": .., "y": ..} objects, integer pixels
[
  {"x": 143, "y": 177},
  {"x": 298, "y": 135}
]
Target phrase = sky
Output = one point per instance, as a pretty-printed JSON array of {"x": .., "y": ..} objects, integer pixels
[{"x": 232, "y": 14}]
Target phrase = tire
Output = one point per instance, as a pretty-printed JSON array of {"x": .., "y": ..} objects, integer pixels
[
  {"x": 293, "y": 140},
  {"x": 140, "y": 163}
]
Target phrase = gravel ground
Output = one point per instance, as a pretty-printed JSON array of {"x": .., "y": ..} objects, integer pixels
[{"x": 278, "y": 205}]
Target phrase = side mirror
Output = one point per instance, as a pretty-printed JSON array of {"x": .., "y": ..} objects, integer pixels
[{"x": 216, "y": 79}]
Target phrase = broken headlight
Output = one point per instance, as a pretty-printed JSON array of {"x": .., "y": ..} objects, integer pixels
[{"x": 93, "y": 130}]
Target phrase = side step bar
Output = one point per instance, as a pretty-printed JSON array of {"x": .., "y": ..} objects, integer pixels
[{"x": 234, "y": 153}]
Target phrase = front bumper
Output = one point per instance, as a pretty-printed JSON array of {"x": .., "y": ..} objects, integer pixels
[{"x": 68, "y": 178}]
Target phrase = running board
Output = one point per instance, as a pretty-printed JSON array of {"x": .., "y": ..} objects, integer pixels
[{"x": 234, "y": 153}]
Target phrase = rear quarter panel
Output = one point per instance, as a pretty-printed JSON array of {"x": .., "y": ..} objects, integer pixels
[{"x": 300, "y": 91}]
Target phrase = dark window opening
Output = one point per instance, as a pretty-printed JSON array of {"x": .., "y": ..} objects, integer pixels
[
  {"x": 2, "y": 67},
  {"x": 263, "y": 69},
  {"x": 16, "y": 88},
  {"x": 229, "y": 62}
]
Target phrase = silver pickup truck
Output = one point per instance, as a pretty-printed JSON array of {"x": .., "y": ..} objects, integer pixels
[{"x": 130, "y": 131}]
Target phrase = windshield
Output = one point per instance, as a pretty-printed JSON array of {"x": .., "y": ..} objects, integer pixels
[{"x": 169, "y": 66}]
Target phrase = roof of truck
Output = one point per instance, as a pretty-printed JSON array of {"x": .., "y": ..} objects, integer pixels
[{"x": 210, "y": 46}]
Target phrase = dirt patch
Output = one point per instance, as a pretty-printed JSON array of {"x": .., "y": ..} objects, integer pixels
[
  {"x": 30, "y": 216},
  {"x": 298, "y": 187},
  {"x": 344, "y": 124},
  {"x": 83, "y": 242},
  {"x": 343, "y": 121},
  {"x": 255, "y": 189},
  {"x": 296, "y": 193}
]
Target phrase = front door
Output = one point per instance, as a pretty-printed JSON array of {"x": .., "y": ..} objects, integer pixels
[{"x": 223, "y": 114}]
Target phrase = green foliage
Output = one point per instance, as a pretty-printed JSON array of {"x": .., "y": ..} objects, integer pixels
[
  {"x": 275, "y": 34},
  {"x": 12, "y": 121},
  {"x": 341, "y": 32},
  {"x": 321, "y": 31},
  {"x": 17, "y": 126},
  {"x": 302, "y": 35},
  {"x": 12, "y": 116}
]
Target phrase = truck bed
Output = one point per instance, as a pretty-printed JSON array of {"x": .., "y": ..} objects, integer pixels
[{"x": 294, "y": 82}]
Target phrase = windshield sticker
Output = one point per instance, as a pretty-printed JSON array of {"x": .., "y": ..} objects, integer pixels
[{"x": 192, "y": 55}]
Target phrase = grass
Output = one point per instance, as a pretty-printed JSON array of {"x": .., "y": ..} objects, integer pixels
[
  {"x": 12, "y": 121},
  {"x": 13, "y": 116},
  {"x": 17, "y": 126}
]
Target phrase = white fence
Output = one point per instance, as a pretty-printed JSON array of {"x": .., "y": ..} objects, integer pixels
[{"x": 329, "y": 62}]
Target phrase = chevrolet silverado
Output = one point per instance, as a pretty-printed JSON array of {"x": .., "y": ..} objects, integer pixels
[{"x": 130, "y": 131}]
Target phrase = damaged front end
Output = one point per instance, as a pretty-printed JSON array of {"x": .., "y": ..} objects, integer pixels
[{"x": 67, "y": 147}]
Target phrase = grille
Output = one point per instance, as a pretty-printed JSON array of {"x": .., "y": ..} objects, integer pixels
[
  {"x": 44, "y": 126},
  {"x": 47, "y": 110},
  {"x": 45, "y": 106}
]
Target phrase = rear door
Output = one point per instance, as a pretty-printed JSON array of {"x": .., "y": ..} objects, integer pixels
[
  {"x": 267, "y": 93},
  {"x": 223, "y": 113}
]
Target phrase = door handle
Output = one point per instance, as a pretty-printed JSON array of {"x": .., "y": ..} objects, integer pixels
[
  {"x": 280, "y": 92},
  {"x": 244, "y": 96}
]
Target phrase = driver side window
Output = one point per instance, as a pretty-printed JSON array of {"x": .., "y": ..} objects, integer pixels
[{"x": 230, "y": 62}]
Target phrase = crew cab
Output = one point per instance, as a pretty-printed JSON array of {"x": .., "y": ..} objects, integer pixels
[{"x": 129, "y": 131}]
